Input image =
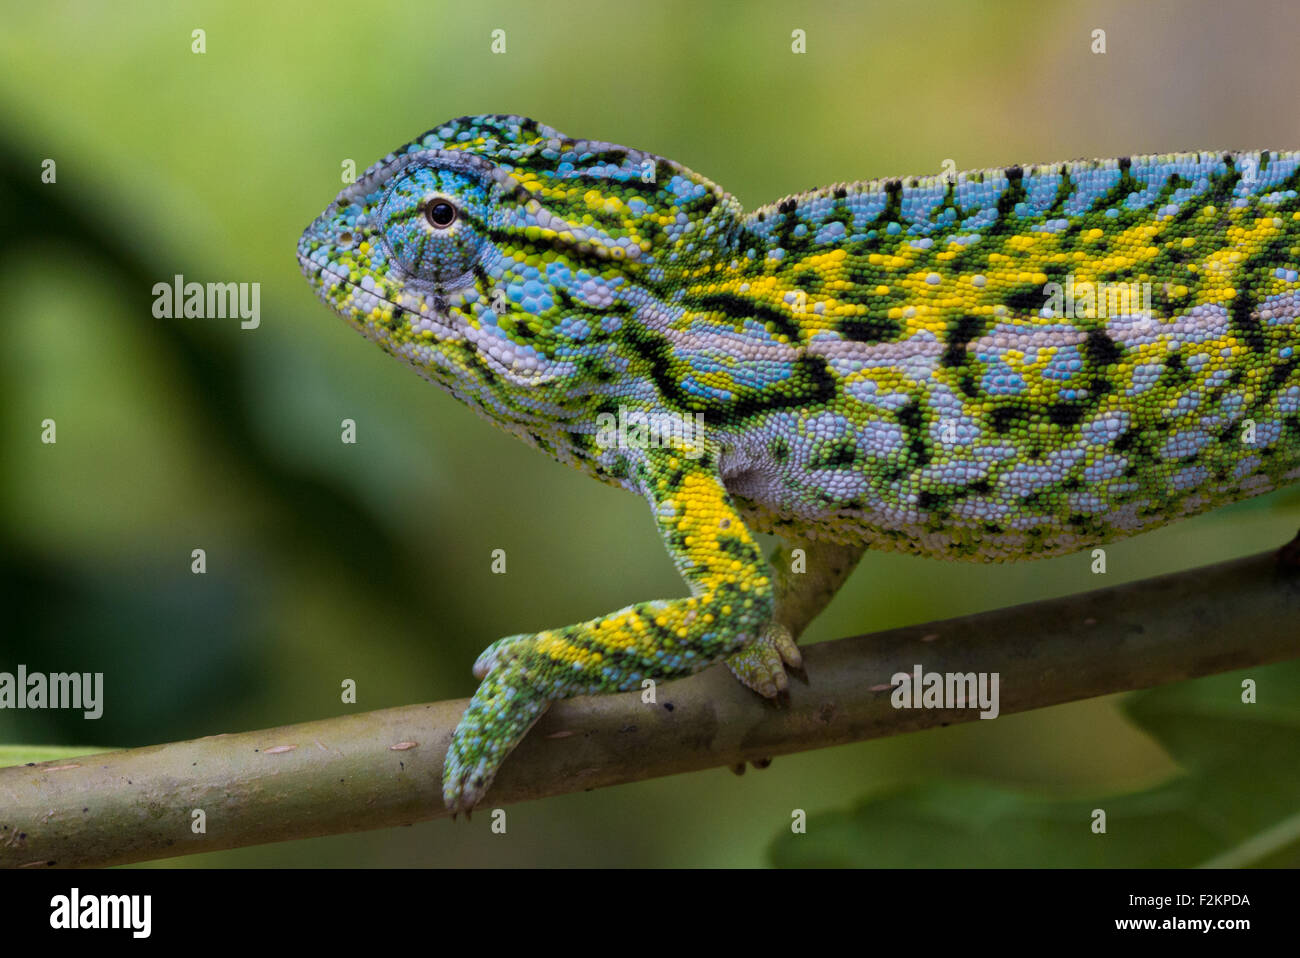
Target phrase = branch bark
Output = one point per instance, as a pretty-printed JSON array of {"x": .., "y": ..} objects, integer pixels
[{"x": 380, "y": 769}]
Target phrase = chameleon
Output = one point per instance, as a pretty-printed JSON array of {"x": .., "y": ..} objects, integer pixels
[{"x": 1001, "y": 364}]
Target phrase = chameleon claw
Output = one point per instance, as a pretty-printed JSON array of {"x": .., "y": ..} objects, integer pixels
[
  {"x": 786, "y": 647},
  {"x": 460, "y": 796},
  {"x": 761, "y": 665}
]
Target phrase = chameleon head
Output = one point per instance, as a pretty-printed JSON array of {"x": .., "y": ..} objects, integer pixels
[{"x": 495, "y": 254}]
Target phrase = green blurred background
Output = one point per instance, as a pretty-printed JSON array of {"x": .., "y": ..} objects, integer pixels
[{"x": 371, "y": 561}]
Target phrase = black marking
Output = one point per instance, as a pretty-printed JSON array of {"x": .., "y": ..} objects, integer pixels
[
  {"x": 404, "y": 215},
  {"x": 1028, "y": 298},
  {"x": 1229, "y": 432},
  {"x": 1281, "y": 373},
  {"x": 912, "y": 420},
  {"x": 1254, "y": 276},
  {"x": 1247, "y": 325},
  {"x": 960, "y": 334},
  {"x": 739, "y": 308},
  {"x": 927, "y": 500},
  {"x": 1173, "y": 182},
  {"x": 616, "y": 156},
  {"x": 1064, "y": 190},
  {"x": 571, "y": 249},
  {"x": 1066, "y": 414},
  {"x": 1013, "y": 193},
  {"x": 1175, "y": 371},
  {"x": 893, "y": 211},
  {"x": 1219, "y": 195},
  {"x": 1004, "y": 418},
  {"x": 949, "y": 203},
  {"x": 909, "y": 416},
  {"x": 871, "y": 329},
  {"x": 1101, "y": 350},
  {"x": 843, "y": 452},
  {"x": 809, "y": 383}
]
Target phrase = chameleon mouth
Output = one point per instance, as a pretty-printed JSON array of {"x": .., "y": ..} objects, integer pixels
[
  {"x": 315, "y": 274},
  {"x": 311, "y": 271}
]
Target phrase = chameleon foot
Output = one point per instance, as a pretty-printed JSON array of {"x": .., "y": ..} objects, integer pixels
[
  {"x": 761, "y": 665},
  {"x": 500, "y": 714},
  {"x": 731, "y": 600}
]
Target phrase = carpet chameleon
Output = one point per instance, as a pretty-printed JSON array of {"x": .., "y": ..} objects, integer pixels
[{"x": 992, "y": 365}]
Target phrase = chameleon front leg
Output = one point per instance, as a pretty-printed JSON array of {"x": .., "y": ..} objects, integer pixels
[
  {"x": 804, "y": 584},
  {"x": 730, "y": 605}
]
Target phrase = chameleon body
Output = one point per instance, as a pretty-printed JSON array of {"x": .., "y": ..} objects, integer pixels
[{"x": 940, "y": 365}]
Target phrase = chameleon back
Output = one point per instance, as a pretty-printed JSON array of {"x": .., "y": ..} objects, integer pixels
[{"x": 1022, "y": 363}]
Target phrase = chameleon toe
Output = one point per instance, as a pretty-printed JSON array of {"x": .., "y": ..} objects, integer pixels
[{"x": 761, "y": 665}]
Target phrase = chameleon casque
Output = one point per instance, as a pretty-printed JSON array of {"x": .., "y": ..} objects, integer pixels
[{"x": 925, "y": 364}]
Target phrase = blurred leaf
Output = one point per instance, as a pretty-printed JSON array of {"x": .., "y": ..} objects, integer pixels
[
  {"x": 26, "y": 754},
  {"x": 1237, "y": 802}
]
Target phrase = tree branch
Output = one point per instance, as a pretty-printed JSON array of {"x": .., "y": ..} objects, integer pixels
[{"x": 380, "y": 769}]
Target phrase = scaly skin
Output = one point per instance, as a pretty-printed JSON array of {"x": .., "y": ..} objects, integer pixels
[{"x": 882, "y": 364}]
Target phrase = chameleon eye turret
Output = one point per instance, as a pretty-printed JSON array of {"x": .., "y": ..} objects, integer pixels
[
  {"x": 434, "y": 223},
  {"x": 999, "y": 365}
]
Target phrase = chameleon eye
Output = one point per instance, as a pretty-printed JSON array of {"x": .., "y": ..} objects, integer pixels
[
  {"x": 440, "y": 214},
  {"x": 432, "y": 224}
]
